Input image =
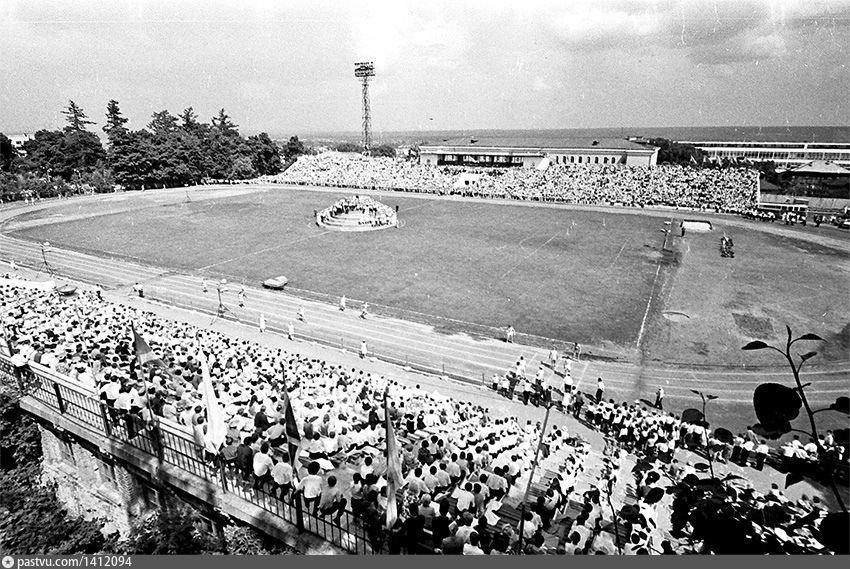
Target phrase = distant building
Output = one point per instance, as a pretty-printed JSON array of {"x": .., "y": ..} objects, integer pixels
[
  {"x": 495, "y": 152},
  {"x": 819, "y": 178},
  {"x": 18, "y": 140},
  {"x": 782, "y": 153}
]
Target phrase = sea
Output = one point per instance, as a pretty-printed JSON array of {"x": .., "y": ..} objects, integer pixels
[{"x": 836, "y": 134}]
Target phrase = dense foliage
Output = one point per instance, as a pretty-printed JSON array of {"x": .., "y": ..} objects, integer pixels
[{"x": 170, "y": 151}]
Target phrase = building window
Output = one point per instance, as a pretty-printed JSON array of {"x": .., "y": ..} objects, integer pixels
[
  {"x": 516, "y": 159},
  {"x": 107, "y": 472},
  {"x": 152, "y": 497},
  {"x": 596, "y": 159},
  {"x": 67, "y": 450},
  {"x": 206, "y": 525},
  {"x": 572, "y": 159},
  {"x": 579, "y": 159}
]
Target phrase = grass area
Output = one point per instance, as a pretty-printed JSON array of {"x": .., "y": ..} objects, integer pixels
[{"x": 573, "y": 275}]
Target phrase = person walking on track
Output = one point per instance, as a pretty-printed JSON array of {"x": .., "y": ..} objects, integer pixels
[
  {"x": 509, "y": 334},
  {"x": 364, "y": 350},
  {"x": 600, "y": 390},
  {"x": 659, "y": 398},
  {"x": 290, "y": 331},
  {"x": 241, "y": 298},
  {"x": 262, "y": 323},
  {"x": 301, "y": 313},
  {"x": 553, "y": 358},
  {"x": 364, "y": 310}
]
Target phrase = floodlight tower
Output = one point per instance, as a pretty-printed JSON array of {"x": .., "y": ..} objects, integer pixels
[{"x": 364, "y": 71}]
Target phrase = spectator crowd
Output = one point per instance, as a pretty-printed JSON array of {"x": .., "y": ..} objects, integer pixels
[
  {"x": 729, "y": 190},
  {"x": 459, "y": 462}
]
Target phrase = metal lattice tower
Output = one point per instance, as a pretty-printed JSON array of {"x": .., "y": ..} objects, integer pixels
[{"x": 364, "y": 71}]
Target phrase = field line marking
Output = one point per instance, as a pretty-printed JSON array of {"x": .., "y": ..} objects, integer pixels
[
  {"x": 652, "y": 291},
  {"x": 618, "y": 255},
  {"x": 263, "y": 250},
  {"x": 521, "y": 261}
]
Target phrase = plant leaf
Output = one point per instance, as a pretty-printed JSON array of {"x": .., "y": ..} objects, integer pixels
[
  {"x": 811, "y": 337},
  {"x": 755, "y": 345},
  {"x": 711, "y": 397},
  {"x": 692, "y": 416},
  {"x": 808, "y": 355},
  {"x": 833, "y": 532},
  {"x": 792, "y": 478},
  {"x": 776, "y": 406},
  {"x": 697, "y": 392},
  {"x": 842, "y": 405}
]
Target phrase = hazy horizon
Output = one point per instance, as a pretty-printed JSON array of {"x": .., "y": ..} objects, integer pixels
[{"x": 288, "y": 67}]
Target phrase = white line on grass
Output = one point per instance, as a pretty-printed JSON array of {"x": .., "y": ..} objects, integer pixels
[
  {"x": 521, "y": 261},
  {"x": 263, "y": 250}
]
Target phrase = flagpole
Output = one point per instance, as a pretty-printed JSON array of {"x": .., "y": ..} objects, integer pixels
[{"x": 531, "y": 477}]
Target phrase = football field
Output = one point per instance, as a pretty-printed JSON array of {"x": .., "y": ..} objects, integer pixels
[{"x": 607, "y": 278}]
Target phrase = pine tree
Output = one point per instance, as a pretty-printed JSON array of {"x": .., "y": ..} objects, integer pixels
[
  {"x": 77, "y": 119},
  {"x": 114, "y": 122}
]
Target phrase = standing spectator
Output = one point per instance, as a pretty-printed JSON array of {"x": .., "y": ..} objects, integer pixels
[
  {"x": 311, "y": 487},
  {"x": 364, "y": 350},
  {"x": 342, "y": 303},
  {"x": 600, "y": 390},
  {"x": 138, "y": 289},
  {"x": 262, "y": 467},
  {"x": 659, "y": 398},
  {"x": 245, "y": 458},
  {"x": 282, "y": 477},
  {"x": 762, "y": 451},
  {"x": 290, "y": 331},
  {"x": 509, "y": 334},
  {"x": 331, "y": 499},
  {"x": 262, "y": 323}
]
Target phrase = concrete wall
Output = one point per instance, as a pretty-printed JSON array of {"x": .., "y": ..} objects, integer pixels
[{"x": 85, "y": 484}]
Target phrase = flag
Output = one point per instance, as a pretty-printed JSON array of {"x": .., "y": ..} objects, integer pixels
[
  {"x": 292, "y": 437},
  {"x": 693, "y": 160},
  {"x": 393, "y": 468},
  {"x": 143, "y": 351},
  {"x": 216, "y": 425}
]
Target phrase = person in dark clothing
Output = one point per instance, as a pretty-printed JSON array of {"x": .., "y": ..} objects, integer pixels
[
  {"x": 261, "y": 421},
  {"x": 412, "y": 530},
  {"x": 373, "y": 521},
  {"x": 424, "y": 454},
  {"x": 577, "y": 405},
  {"x": 245, "y": 459},
  {"x": 485, "y": 538},
  {"x": 440, "y": 524}
]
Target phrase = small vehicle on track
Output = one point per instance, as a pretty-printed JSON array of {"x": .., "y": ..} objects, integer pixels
[{"x": 276, "y": 283}]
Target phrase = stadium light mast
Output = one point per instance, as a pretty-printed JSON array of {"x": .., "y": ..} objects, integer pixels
[{"x": 364, "y": 71}]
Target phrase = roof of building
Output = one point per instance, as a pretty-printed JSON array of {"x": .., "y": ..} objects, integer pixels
[
  {"x": 820, "y": 167},
  {"x": 503, "y": 142}
]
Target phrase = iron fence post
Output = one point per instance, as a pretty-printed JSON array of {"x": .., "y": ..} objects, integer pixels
[
  {"x": 59, "y": 400},
  {"x": 107, "y": 425},
  {"x": 299, "y": 513}
]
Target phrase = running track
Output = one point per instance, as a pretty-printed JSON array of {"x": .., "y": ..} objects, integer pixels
[{"x": 403, "y": 342}]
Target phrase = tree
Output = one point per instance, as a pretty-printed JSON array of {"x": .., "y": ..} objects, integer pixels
[
  {"x": 162, "y": 124},
  {"x": 677, "y": 153},
  {"x": 114, "y": 122},
  {"x": 8, "y": 153},
  {"x": 294, "y": 148},
  {"x": 242, "y": 169},
  {"x": 189, "y": 120},
  {"x": 170, "y": 532},
  {"x": 32, "y": 519},
  {"x": 265, "y": 154},
  {"x": 77, "y": 119},
  {"x": 349, "y": 147},
  {"x": 386, "y": 150},
  {"x": 224, "y": 125}
]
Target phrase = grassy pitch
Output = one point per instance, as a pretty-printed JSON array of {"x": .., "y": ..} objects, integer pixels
[{"x": 602, "y": 278}]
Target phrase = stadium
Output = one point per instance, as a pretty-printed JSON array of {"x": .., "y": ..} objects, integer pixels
[
  {"x": 651, "y": 306},
  {"x": 525, "y": 316}
]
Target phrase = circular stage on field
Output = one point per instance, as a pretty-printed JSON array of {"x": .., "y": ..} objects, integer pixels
[{"x": 357, "y": 213}]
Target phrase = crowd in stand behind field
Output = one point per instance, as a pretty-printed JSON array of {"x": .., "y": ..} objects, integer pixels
[
  {"x": 728, "y": 190},
  {"x": 458, "y": 461}
]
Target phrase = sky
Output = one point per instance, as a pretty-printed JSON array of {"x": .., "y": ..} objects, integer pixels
[{"x": 287, "y": 67}]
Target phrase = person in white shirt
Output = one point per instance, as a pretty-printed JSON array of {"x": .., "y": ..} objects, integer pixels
[
  {"x": 282, "y": 476},
  {"x": 465, "y": 498}
]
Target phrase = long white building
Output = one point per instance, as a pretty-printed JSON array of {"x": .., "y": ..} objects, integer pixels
[
  {"x": 496, "y": 152},
  {"x": 789, "y": 154}
]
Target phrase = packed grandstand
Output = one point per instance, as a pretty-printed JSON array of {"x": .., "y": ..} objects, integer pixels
[
  {"x": 458, "y": 462},
  {"x": 729, "y": 190}
]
